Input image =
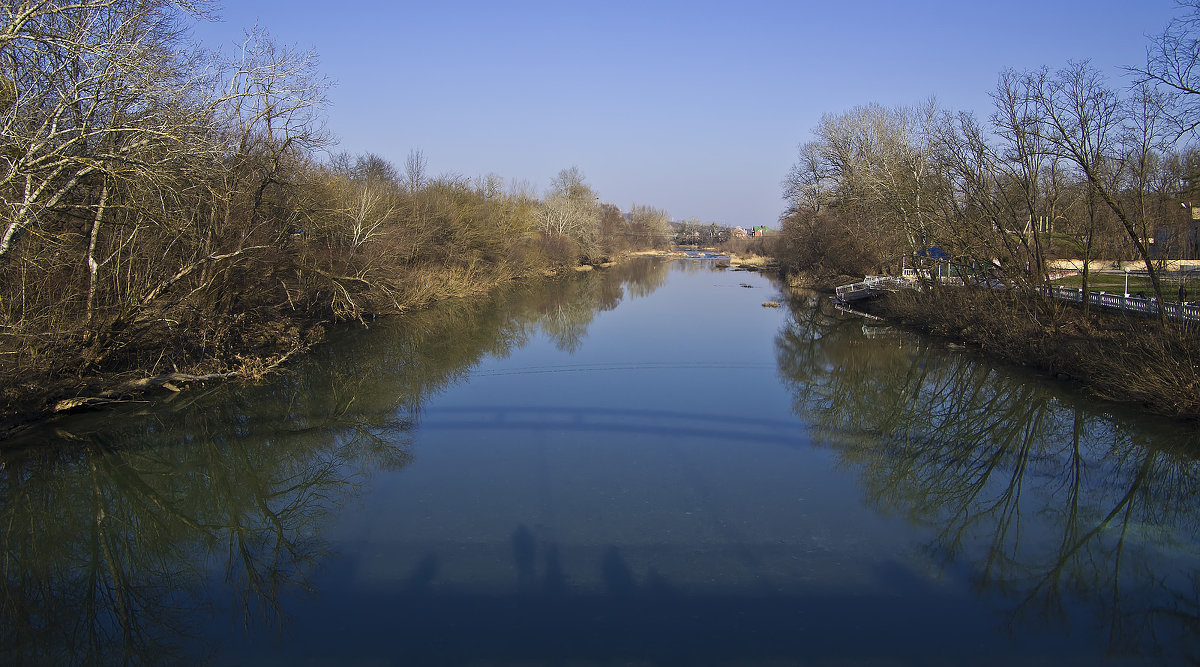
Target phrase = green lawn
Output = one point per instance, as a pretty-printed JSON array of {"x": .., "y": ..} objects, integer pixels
[{"x": 1114, "y": 283}]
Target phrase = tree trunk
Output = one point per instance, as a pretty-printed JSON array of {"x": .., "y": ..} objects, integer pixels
[{"x": 93, "y": 265}]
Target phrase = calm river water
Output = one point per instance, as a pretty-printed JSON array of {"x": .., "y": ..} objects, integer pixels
[{"x": 641, "y": 465}]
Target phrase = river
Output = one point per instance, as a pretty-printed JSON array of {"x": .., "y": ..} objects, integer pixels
[{"x": 642, "y": 465}]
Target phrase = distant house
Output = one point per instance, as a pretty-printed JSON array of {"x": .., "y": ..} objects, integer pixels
[
  {"x": 760, "y": 230},
  {"x": 739, "y": 233}
]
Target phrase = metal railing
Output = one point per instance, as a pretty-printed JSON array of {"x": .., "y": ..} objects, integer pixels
[
  {"x": 1187, "y": 312},
  {"x": 909, "y": 281}
]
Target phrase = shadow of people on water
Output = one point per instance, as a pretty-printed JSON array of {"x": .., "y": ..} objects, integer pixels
[
  {"x": 422, "y": 576},
  {"x": 618, "y": 577},
  {"x": 555, "y": 582},
  {"x": 524, "y": 555}
]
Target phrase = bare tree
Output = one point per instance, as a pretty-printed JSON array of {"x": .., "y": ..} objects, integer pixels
[
  {"x": 368, "y": 201},
  {"x": 1083, "y": 120},
  {"x": 1143, "y": 147},
  {"x": 978, "y": 215},
  {"x": 1173, "y": 67},
  {"x": 808, "y": 183},
  {"x": 878, "y": 158},
  {"x": 273, "y": 109},
  {"x": 650, "y": 225},
  {"x": 1024, "y": 153},
  {"x": 571, "y": 208},
  {"x": 97, "y": 99},
  {"x": 414, "y": 170}
]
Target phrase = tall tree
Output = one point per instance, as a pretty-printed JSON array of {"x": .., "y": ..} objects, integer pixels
[
  {"x": 1017, "y": 120},
  {"x": 1084, "y": 120},
  {"x": 1173, "y": 67},
  {"x": 650, "y": 226},
  {"x": 571, "y": 209},
  {"x": 808, "y": 183}
]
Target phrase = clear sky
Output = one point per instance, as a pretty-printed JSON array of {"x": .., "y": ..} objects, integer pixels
[{"x": 694, "y": 107}]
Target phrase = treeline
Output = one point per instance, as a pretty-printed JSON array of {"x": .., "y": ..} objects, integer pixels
[
  {"x": 1065, "y": 166},
  {"x": 169, "y": 212},
  {"x": 694, "y": 232}
]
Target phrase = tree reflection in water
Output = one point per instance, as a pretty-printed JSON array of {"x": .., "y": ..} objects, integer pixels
[
  {"x": 123, "y": 531},
  {"x": 1051, "y": 502}
]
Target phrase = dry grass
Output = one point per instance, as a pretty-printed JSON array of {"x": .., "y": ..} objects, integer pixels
[{"x": 756, "y": 261}]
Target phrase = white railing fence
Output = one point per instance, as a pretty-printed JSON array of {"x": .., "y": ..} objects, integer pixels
[{"x": 1188, "y": 312}]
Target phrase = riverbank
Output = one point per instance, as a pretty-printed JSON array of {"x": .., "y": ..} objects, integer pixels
[
  {"x": 41, "y": 383},
  {"x": 1120, "y": 358},
  {"x": 245, "y": 347}
]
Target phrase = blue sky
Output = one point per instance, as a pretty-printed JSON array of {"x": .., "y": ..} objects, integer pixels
[{"x": 694, "y": 107}]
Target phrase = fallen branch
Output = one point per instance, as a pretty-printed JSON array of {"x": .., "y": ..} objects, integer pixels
[
  {"x": 165, "y": 381},
  {"x": 167, "y": 378},
  {"x": 69, "y": 404}
]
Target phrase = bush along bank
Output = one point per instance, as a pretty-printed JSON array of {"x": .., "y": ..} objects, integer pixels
[
  {"x": 178, "y": 343},
  {"x": 1115, "y": 357}
]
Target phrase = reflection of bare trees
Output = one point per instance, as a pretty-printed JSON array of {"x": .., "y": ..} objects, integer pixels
[
  {"x": 568, "y": 308},
  {"x": 117, "y": 537},
  {"x": 566, "y": 322},
  {"x": 1069, "y": 513},
  {"x": 641, "y": 277},
  {"x": 109, "y": 547}
]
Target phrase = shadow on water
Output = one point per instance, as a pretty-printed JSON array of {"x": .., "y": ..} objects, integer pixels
[
  {"x": 618, "y": 577},
  {"x": 1072, "y": 515},
  {"x": 638, "y": 614},
  {"x": 421, "y": 579},
  {"x": 730, "y": 428},
  {"x": 524, "y": 552},
  {"x": 553, "y": 581}
]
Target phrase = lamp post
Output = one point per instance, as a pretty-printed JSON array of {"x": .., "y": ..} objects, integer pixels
[{"x": 1127, "y": 281}]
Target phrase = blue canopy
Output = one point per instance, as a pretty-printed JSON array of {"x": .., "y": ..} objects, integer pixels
[{"x": 933, "y": 253}]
